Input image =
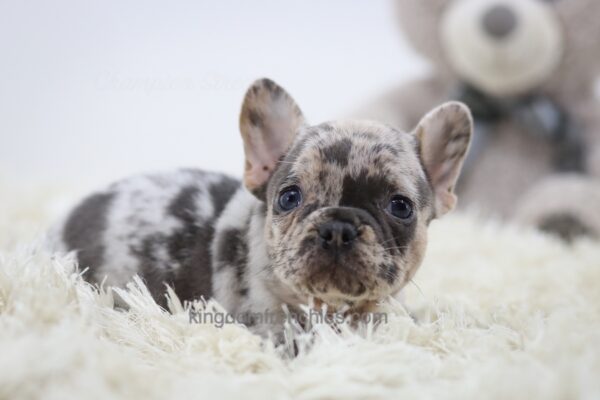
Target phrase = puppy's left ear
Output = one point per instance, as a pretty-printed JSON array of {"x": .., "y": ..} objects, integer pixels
[
  {"x": 444, "y": 136},
  {"x": 268, "y": 122}
]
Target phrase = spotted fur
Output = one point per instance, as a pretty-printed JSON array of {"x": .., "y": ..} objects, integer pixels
[{"x": 207, "y": 235}]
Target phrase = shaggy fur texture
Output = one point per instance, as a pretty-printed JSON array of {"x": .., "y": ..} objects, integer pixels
[{"x": 496, "y": 313}]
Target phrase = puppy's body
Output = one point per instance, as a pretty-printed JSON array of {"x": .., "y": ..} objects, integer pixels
[
  {"x": 336, "y": 212},
  {"x": 189, "y": 229}
]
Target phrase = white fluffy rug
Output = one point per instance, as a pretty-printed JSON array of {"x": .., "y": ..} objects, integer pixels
[{"x": 499, "y": 313}]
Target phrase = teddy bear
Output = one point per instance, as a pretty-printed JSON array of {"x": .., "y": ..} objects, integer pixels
[{"x": 527, "y": 70}]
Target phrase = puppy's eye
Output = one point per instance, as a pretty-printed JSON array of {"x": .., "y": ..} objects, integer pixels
[
  {"x": 290, "y": 198},
  {"x": 400, "y": 207}
]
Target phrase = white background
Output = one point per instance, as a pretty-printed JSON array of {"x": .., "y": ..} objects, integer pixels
[{"x": 93, "y": 91}]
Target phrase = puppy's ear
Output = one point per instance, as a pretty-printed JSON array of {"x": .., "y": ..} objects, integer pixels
[
  {"x": 444, "y": 136},
  {"x": 268, "y": 122}
]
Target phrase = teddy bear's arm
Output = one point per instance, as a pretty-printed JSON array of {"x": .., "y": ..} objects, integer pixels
[{"x": 566, "y": 205}]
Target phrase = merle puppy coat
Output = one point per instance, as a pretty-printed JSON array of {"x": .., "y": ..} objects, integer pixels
[{"x": 335, "y": 213}]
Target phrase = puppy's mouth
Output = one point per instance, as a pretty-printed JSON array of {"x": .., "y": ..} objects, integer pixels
[
  {"x": 341, "y": 277},
  {"x": 336, "y": 279}
]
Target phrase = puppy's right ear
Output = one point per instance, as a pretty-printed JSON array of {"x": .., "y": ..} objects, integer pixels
[
  {"x": 444, "y": 136},
  {"x": 268, "y": 122}
]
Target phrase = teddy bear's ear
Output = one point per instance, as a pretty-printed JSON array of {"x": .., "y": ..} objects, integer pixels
[
  {"x": 269, "y": 121},
  {"x": 420, "y": 21},
  {"x": 444, "y": 136}
]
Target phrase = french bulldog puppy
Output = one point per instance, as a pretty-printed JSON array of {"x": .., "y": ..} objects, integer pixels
[{"x": 334, "y": 214}]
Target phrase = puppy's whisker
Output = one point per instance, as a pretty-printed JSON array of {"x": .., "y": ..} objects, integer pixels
[
  {"x": 387, "y": 241},
  {"x": 268, "y": 269},
  {"x": 391, "y": 274},
  {"x": 395, "y": 248},
  {"x": 418, "y": 288}
]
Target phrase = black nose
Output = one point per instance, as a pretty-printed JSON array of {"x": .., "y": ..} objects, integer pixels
[
  {"x": 335, "y": 235},
  {"x": 499, "y": 21}
]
